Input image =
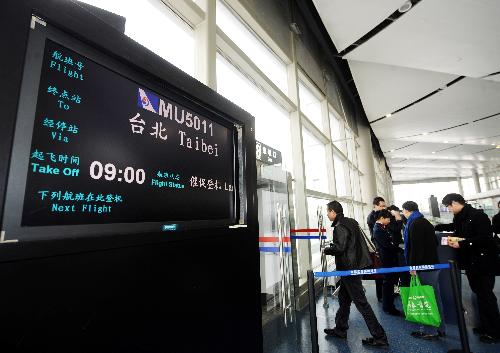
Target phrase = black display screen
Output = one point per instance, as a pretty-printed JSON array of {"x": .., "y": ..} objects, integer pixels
[{"x": 106, "y": 149}]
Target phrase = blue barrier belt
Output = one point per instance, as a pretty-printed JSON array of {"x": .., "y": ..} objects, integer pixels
[
  {"x": 274, "y": 249},
  {"x": 372, "y": 271}
]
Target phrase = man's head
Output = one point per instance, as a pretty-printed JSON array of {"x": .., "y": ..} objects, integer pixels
[
  {"x": 409, "y": 207},
  {"x": 333, "y": 208},
  {"x": 454, "y": 202},
  {"x": 383, "y": 217},
  {"x": 498, "y": 204},
  {"x": 378, "y": 203},
  {"x": 393, "y": 208}
]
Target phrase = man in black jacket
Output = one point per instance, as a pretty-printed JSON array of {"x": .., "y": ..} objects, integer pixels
[
  {"x": 496, "y": 221},
  {"x": 378, "y": 205},
  {"x": 421, "y": 249},
  {"x": 477, "y": 255},
  {"x": 394, "y": 227},
  {"x": 388, "y": 250},
  {"x": 351, "y": 253}
]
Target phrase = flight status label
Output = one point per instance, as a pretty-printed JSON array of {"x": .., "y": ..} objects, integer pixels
[{"x": 106, "y": 149}]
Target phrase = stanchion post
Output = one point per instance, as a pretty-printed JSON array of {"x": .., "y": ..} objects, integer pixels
[
  {"x": 313, "y": 321},
  {"x": 464, "y": 339}
]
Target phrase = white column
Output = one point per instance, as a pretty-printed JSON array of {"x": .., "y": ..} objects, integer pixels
[
  {"x": 487, "y": 182},
  {"x": 299, "y": 179},
  {"x": 205, "y": 37},
  {"x": 477, "y": 185},
  {"x": 460, "y": 186},
  {"x": 365, "y": 163}
]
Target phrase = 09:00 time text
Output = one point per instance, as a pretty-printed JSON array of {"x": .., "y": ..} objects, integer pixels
[{"x": 97, "y": 170}]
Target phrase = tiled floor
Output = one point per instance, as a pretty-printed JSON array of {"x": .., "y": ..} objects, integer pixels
[{"x": 296, "y": 338}]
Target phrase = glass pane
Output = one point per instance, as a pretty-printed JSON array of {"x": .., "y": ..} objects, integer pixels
[
  {"x": 337, "y": 133},
  {"x": 340, "y": 182},
  {"x": 348, "y": 209},
  {"x": 420, "y": 193},
  {"x": 152, "y": 24},
  {"x": 272, "y": 123},
  {"x": 356, "y": 186},
  {"x": 358, "y": 214},
  {"x": 312, "y": 207},
  {"x": 468, "y": 186},
  {"x": 351, "y": 150},
  {"x": 252, "y": 46},
  {"x": 482, "y": 183},
  {"x": 314, "y": 162},
  {"x": 310, "y": 105}
]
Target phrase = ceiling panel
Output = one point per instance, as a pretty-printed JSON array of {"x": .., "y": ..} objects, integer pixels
[
  {"x": 437, "y": 164},
  {"x": 405, "y": 174},
  {"x": 458, "y": 37},
  {"x": 347, "y": 21},
  {"x": 449, "y": 133},
  {"x": 384, "y": 88},
  {"x": 493, "y": 78},
  {"x": 484, "y": 133},
  {"x": 389, "y": 145},
  {"x": 463, "y": 102}
]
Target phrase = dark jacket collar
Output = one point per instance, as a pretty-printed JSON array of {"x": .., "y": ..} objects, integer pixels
[
  {"x": 338, "y": 219},
  {"x": 464, "y": 213}
]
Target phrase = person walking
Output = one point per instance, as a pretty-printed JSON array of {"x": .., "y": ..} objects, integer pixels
[{"x": 351, "y": 252}]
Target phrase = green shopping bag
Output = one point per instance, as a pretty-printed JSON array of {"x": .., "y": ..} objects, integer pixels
[{"x": 419, "y": 303}]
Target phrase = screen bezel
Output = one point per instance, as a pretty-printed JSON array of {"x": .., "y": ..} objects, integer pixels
[{"x": 18, "y": 171}]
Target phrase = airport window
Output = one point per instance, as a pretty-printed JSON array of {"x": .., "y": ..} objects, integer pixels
[
  {"x": 272, "y": 123},
  {"x": 310, "y": 105},
  {"x": 468, "y": 186},
  {"x": 152, "y": 24},
  {"x": 265, "y": 59},
  {"x": 348, "y": 209},
  {"x": 337, "y": 133},
  {"x": 494, "y": 182},
  {"x": 351, "y": 147},
  {"x": 358, "y": 214},
  {"x": 356, "y": 190},
  {"x": 312, "y": 212},
  {"x": 420, "y": 193},
  {"x": 482, "y": 183},
  {"x": 340, "y": 181},
  {"x": 314, "y": 163}
]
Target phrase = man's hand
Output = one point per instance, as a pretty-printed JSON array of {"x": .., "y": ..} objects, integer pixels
[
  {"x": 396, "y": 215},
  {"x": 328, "y": 251}
]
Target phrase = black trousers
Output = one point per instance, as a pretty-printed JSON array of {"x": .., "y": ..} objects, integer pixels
[
  {"x": 379, "y": 284},
  {"x": 390, "y": 280},
  {"x": 351, "y": 290},
  {"x": 482, "y": 285}
]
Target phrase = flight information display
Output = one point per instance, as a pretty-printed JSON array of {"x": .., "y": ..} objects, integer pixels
[{"x": 106, "y": 149}]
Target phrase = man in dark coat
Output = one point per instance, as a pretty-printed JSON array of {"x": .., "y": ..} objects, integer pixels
[
  {"x": 421, "y": 249},
  {"x": 388, "y": 250},
  {"x": 496, "y": 221},
  {"x": 378, "y": 205},
  {"x": 478, "y": 256},
  {"x": 351, "y": 253}
]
